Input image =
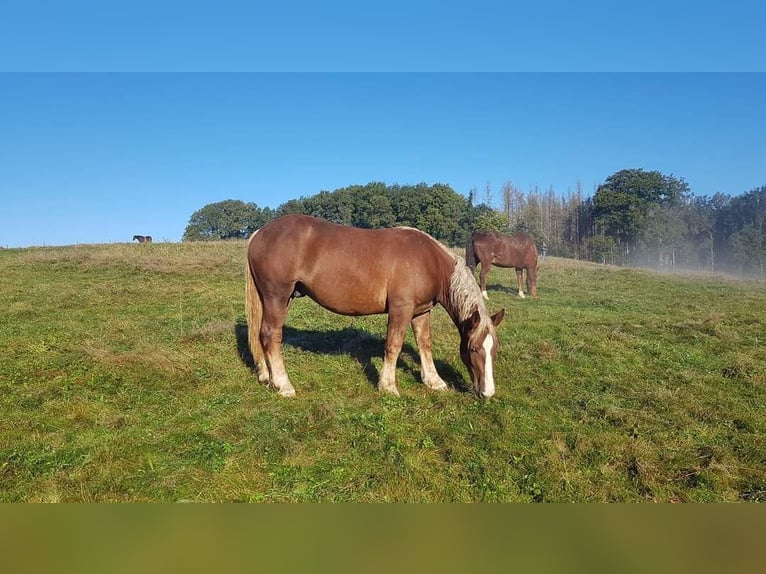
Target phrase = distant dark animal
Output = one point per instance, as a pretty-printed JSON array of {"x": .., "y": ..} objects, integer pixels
[
  {"x": 401, "y": 271},
  {"x": 517, "y": 251},
  {"x": 143, "y": 238}
]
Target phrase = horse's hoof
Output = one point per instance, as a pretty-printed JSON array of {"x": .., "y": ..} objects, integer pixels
[
  {"x": 290, "y": 392},
  {"x": 391, "y": 390}
]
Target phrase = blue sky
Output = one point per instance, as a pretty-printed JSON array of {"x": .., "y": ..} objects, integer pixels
[
  {"x": 395, "y": 35},
  {"x": 111, "y": 123},
  {"x": 98, "y": 157}
]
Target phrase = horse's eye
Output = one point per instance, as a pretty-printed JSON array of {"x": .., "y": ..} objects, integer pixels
[{"x": 474, "y": 349}]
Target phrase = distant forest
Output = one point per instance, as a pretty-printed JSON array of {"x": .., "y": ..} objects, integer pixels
[{"x": 635, "y": 217}]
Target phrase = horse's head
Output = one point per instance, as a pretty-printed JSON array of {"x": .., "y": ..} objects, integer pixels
[{"x": 478, "y": 349}]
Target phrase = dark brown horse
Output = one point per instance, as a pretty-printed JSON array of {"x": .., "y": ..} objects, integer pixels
[
  {"x": 518, "y": 251},
  {"x": 401, "y": 271},
  {"x": 143, "y": 238}
]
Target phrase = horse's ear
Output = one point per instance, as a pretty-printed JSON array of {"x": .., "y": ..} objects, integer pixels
[
  {"x": 497, "y": 318},
  {"x": 473, "y": 320}
]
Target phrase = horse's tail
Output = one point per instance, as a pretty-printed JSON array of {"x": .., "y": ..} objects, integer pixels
[
  {"x": 470, "y": 256},
  {"x": 254, "y": 311}
]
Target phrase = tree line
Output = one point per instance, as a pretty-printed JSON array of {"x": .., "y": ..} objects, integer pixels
[
  {"x": 436, "y": 209},
  {"x": 635, "y": 217}
]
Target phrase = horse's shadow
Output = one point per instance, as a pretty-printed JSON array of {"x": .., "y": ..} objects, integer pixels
[
  {"x": 503, "y": 288},
  {"x": 360, "y": 345}
]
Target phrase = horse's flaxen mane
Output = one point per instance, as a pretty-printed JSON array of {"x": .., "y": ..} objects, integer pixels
[{"x": 464, "y": 294}]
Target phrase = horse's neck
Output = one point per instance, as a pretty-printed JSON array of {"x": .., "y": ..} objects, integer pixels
[
  {"x": 460, "y": 295},
  {"x": 451, "y": 311}
]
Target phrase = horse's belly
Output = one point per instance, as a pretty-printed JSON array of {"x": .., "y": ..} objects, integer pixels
[{"x": 349, "y": 299}]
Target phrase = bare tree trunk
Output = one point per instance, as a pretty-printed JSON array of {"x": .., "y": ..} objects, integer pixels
[{"x": 488, "y": 195}]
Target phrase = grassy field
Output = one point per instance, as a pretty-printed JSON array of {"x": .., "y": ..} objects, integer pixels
[{"x": 124, "y": 377}]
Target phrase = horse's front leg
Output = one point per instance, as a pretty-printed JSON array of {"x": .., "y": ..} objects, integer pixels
[
  {"x": 421, "y": 326},
  {"x": 520, "y": 280},
  {"x": 397, "y": 325}
]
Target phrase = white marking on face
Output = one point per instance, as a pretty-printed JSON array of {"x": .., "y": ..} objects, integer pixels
[{"x": 489, "y": 379}]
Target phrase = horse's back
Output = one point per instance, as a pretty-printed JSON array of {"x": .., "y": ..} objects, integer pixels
[
  {"x": 524, "y": 245},
  {"x": 306, "y": 239}
]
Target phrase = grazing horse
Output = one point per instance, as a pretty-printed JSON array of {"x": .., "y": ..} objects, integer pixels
[
  {"x": 400, "y": 271},
  {"x": 518, "y": 251},
  {"x": 143, "y": 238}
]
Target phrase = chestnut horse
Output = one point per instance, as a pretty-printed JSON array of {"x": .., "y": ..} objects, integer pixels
[
  {"x": 518, "y": 251},
  {"x": 400, "y": 271}
]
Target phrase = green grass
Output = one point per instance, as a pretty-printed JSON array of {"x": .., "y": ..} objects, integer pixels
[{"x": 122, "y": 378}]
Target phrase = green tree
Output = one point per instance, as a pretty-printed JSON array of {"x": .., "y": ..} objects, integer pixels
[
  {"x": 700, "y": 220},
  {"x": 662, "y": 238},
  {"x": 371, "y": 206},
  {"x": 407, "y": 204},
  {"x": 442, "y": 211},
  {"x": 602, "y": 249},
  {"x": 229, "y": 219},
  {"x": 291, "y": 206},
  {"x": 747, "y": 209},
  {"x": 749, "y": 248},
  {"x": 333, "y": 206},
  {"x": 625, "y": 200},
  {"x": 485, "y": 217}
]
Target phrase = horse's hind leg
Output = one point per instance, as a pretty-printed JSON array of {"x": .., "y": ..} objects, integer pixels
[
  {"x": 532, "y": 281},
  {"x": 421, "y": 326},
  {"x": 519, "y": 280},
  {"x": 274, "y": 313},
  {"x": 485, "y": 267},
  {"x": 397, "y": 325}
]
